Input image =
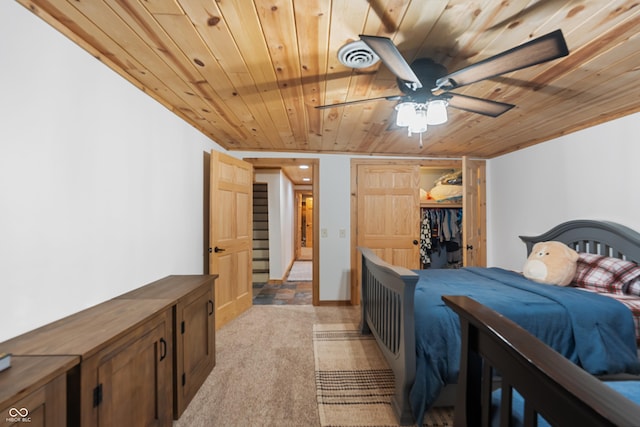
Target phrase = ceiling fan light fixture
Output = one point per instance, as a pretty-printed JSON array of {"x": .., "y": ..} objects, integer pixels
[
  {"x": 419, "y": 122},
  {"x": 406, "y": 113},
  {"x": 437, "y": 112}
]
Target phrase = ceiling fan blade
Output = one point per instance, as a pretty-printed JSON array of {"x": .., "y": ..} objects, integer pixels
[
  {"x": 537, "y": 51},
  {"x": 393, "y": 59},
  {"x": 359, "y": 101},
  {"x": 477, "y": 105}
]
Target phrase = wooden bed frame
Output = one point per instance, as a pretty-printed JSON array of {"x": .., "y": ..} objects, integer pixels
[
  {"x": 388, "y": 295},
  {"x": 550, "y": 384}
]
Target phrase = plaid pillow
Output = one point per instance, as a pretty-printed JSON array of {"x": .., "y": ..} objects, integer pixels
[
  {"x": 634, "y": 288},
  {"x": 605, "y": 274}
]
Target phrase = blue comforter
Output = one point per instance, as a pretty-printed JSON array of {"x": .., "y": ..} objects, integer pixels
[
  {"x": 591, "y": 330},
  {"x": 629, "y": 389}
]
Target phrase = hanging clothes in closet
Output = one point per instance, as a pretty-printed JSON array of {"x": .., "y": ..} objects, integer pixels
[{"x": 441, "y": 238}]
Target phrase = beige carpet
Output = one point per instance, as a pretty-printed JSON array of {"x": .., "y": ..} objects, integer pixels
[
  {"x": 354, "y": 384},
  {"x": 264, "y": 374}
]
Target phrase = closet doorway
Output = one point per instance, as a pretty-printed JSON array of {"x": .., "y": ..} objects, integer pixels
[{"x": 386, "y": 203}]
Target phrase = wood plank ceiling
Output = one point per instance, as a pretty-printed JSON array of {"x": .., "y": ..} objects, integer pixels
[{"x": 248, "y": 74}]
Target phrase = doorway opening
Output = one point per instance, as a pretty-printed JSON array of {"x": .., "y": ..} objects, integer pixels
[
  {"x": 304, "y": 226},
  {"x": 293, "y": 195}
]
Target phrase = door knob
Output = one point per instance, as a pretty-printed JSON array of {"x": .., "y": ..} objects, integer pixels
[{"x": 217, "y": 249}]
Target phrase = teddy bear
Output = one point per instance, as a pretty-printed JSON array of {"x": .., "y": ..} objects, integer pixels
[{"x": 552, "y": 263}]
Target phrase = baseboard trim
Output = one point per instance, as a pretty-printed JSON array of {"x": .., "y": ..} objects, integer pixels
[{"x": 334, "y": 303}]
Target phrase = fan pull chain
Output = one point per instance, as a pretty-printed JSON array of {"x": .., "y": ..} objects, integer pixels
[{"x": 409, "y": 135}]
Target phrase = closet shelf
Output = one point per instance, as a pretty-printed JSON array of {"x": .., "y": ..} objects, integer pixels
[{"x": 434, "y": 204}]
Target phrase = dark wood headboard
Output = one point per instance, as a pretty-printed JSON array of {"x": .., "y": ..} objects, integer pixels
[
  {"x": 596, "y": 237},
  {"x": 557, "y": 389}
]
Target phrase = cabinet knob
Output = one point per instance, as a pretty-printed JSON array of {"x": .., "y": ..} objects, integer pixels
[{"x": 415, "y": 242}]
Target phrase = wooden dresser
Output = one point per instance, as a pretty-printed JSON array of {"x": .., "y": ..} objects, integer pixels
[
  {"x": 128, "y": 353},
  {"x": 193, "y": 331},
  {"x": 34, "y": 390}
]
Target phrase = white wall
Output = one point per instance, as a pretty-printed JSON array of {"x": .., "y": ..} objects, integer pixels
[
  {"x": 281, "y": 220},
  {"x": 287, "y": 221},
  {"x": 101, "y": 188},
  {"x": 335, "y": 208},
  {"x": 590, "y": 174}
]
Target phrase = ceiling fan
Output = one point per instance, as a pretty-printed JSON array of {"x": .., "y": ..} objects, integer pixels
[{"x": 426, "y": 86}]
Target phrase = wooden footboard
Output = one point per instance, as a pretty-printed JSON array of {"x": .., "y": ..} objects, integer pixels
[
  {"x": 550, "y": 384},
  {"x": 387, "y": 313}
]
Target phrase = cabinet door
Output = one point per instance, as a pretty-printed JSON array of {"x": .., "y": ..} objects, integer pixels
[
  {"x": 474, "y": 218},
  {"x": 195, "y": 348},
  {"x": 46, "y": 406},
  {"x": 135, "y": 382}
]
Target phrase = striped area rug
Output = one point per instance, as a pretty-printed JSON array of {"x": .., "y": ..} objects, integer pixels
[{"x": 354, "y": 384}]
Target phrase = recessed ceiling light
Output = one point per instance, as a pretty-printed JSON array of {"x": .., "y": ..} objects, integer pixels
[{"x": 304, "y": 166}]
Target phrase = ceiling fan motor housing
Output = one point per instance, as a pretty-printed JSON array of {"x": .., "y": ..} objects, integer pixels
[{"x": 428, "y": 71}]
